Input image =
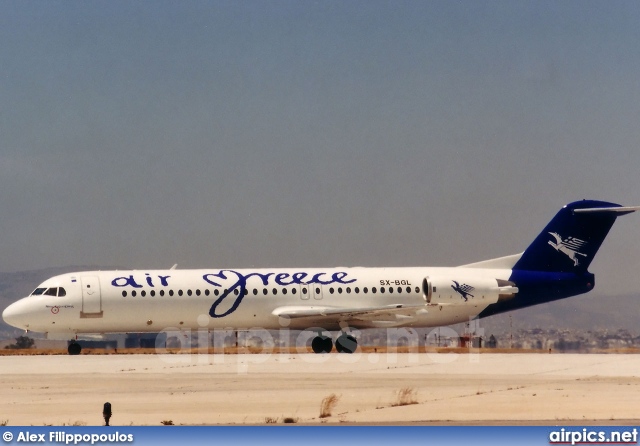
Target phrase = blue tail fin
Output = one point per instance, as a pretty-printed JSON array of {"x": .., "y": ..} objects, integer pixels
[{"x": 571, "y": 240}]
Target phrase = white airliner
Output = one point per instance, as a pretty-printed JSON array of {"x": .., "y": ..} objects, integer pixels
[{"x": 553, "y": 267}]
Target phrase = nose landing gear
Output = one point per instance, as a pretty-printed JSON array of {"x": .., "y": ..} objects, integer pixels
[{"x": 74, "y": 348}]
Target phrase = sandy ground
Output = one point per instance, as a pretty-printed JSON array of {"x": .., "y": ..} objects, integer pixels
[{"x": 256, "y": 389}]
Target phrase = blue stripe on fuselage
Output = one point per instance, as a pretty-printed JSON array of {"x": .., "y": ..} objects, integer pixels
[{"x": 537, "y": 287}]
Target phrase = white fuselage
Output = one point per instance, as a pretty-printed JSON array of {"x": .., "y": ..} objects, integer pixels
[
  {"x": 152, "y": 301},
  {"x": 554, "y": 266}
]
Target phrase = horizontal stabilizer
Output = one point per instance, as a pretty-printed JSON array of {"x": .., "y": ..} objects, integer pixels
[{"x": 619, "y": 210}]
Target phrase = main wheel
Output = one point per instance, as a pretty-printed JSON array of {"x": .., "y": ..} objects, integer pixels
[
  {"x": 346, "y": 344},
  {"x": 321, "y": 344},
  {"x": 74, "y": 348},
  {"x": 328, "y": 344}
]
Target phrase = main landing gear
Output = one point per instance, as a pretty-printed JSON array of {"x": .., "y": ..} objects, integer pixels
[
  {"x": 322, "y": 344},
  {"x": 74, "y": 348},
  {"x": 344, "y": 344}
]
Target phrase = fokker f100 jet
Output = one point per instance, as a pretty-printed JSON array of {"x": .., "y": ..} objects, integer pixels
[{"x": 554, "y": 266}]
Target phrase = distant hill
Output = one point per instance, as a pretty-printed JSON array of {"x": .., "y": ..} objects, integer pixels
[{"x": 587, "y": 312}]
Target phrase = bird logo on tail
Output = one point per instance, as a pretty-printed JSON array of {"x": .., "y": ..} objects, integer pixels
[{"x": 569, "y": 246}]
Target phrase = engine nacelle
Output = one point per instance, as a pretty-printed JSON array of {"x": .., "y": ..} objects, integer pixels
[{"x": 467, "y": 290}]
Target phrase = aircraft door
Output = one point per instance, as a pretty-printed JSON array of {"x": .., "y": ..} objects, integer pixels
[
  {"x": 91, "y": 297},
  {"x": 316, "y": 291}
]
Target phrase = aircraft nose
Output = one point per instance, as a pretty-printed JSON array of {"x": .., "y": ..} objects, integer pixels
[{"x": 16, "y": 314}]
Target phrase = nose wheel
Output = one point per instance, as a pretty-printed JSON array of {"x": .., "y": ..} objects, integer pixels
[{"x": 74, "y": 348}]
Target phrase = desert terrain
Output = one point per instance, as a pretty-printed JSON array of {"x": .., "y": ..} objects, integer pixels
[{"x": 368, "y": 387}]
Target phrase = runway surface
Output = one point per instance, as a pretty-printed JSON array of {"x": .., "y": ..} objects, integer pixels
[{"x": 256, "y": 389}]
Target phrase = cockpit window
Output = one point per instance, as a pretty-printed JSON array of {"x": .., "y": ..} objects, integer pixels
[{"x": 49, "y": 292}]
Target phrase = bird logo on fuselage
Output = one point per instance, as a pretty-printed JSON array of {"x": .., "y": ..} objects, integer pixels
[{"x": 463, "y": 290}]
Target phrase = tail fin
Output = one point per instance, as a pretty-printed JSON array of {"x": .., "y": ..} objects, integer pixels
[{"x": 572, "y": 238}]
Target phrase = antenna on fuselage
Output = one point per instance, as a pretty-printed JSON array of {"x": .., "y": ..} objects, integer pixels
[{"x": 174, "y": 266}]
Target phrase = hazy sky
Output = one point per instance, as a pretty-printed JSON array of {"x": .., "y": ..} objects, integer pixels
[{"x": 300, "y": 133}]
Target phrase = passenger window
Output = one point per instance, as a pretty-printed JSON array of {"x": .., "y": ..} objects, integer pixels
[
  {"x": 265, "y": 291},
  {"x": 382, "y": 290},
  {"x": 143, "y": 293},
  {"x": 255, "y": 291},
  {"x": 331, "y": 290},
  {"x": 180, "y": 292},
  {"x": 61, "y": 292},
  {"x": 197, "y": 292},
  {"x": 408, "y": 290},
  {"x": 339, "y": 290},
  {"x": 275, "y": 291},
  {"x": 348, "y": 290},
  {"x": 417, "y": 290},
  {"x": 153, "y": 293},
  {"x": 124, "y": 294},
  {"x": 399, "y": 290},
  {"x": 357, "y": 290},
  {"x": 216, "y": 292},
  {"x": 373, "y": 290},
  {"x": 284, "y": 291},
  {"x": 133, "y": 293},
  {"x": 51, "y": 292},
  {"x": 170, "y": 292},
  {"x": 207, "y": 292},
  {"x": 293, "y": 291},
  {"x": 365, "y": 290},
  {"x": 189, "y": 293},
  {"x": 162, "y": 292}
]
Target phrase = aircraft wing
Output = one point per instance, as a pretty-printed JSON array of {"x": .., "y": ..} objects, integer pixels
[{"x": 361, "y": 317}]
